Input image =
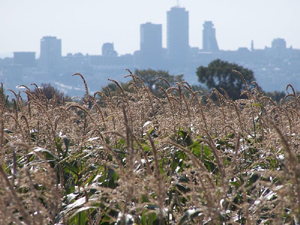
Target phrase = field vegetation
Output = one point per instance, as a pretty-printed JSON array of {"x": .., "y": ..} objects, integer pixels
[{"x": 133, "y": 157}]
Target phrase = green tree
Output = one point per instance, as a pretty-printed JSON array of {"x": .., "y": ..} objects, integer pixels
[
  {"x": 219, "y": 74},
  {"x": 48, "y": 90},
  {"x": 114, "y": 89},
  {"x": 149, "y": 77},
  {"x": 276, "y": 95}
]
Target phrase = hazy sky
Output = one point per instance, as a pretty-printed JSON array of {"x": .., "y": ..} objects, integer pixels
[{"x": 85, "y": 25}]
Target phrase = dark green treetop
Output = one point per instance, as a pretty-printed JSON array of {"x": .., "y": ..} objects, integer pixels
[
  {"x": 219, "y": 74},
  {"x": 49, "y": 91},
  {"x": 149, "y": 77}
]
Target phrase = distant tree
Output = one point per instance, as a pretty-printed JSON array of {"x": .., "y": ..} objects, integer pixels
[
  {"x": 219, "y": 74},
  {"x": 114, "y": 89},
  {"x": 197, "y": 88},
  {"x": 149, "y": 78},
  {"x": 276, "y": 95},
  {"x": 48, "y": 90}
]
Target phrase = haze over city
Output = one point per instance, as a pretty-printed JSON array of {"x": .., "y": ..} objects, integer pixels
[
  {"x": 85, "y": 25},
  {"x": 149, "y": 112}
]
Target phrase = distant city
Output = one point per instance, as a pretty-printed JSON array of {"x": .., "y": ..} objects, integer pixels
[{"x": 274, "y": 67}]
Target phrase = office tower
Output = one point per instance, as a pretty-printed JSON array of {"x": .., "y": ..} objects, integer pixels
[
  {"x": 178, "y": 35},
  {"x": 151, "y": 45},
  {"x": 26, "y": 59},
  {"x": 50, "y": 56},
  {"x": 108, "y": 50},
  {"x": 209, "y": 41}
]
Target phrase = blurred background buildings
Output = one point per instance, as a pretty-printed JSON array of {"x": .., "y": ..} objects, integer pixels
[{"x": 274, "y": 67}]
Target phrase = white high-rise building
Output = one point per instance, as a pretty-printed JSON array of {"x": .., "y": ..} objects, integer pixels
[
  {"x": 151, "y": 45},
  {"x": 50, "y": 55}
]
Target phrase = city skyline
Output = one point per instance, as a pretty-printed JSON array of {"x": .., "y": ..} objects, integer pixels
[{"x": 280, "y": 21}]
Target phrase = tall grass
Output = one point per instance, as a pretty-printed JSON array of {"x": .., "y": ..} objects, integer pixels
[{"x": 131, "y": 157}]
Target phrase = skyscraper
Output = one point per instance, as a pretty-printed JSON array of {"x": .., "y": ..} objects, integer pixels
[
  {"x": 50, "y": 55},
  {"x": 151, "y": 45},
  {"x": 209, "y": 41},
  {"x": 178, "y": 35}
]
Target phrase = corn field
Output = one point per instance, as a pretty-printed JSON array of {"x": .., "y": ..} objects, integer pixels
[{"x": 135, "y": 158}]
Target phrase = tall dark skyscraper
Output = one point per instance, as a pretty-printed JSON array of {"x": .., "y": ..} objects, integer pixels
[
  {"x": 178, "y": 35},
  {"x": 50, "y": 56},
  {"x": 151, "y": 45},
  {"x": 209, "y": 41}
]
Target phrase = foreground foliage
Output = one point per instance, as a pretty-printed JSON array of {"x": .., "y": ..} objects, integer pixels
[{"x": 137, "y": 158}]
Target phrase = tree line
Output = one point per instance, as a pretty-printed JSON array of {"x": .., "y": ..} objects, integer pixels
[{"x": 223, "y": 76}]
